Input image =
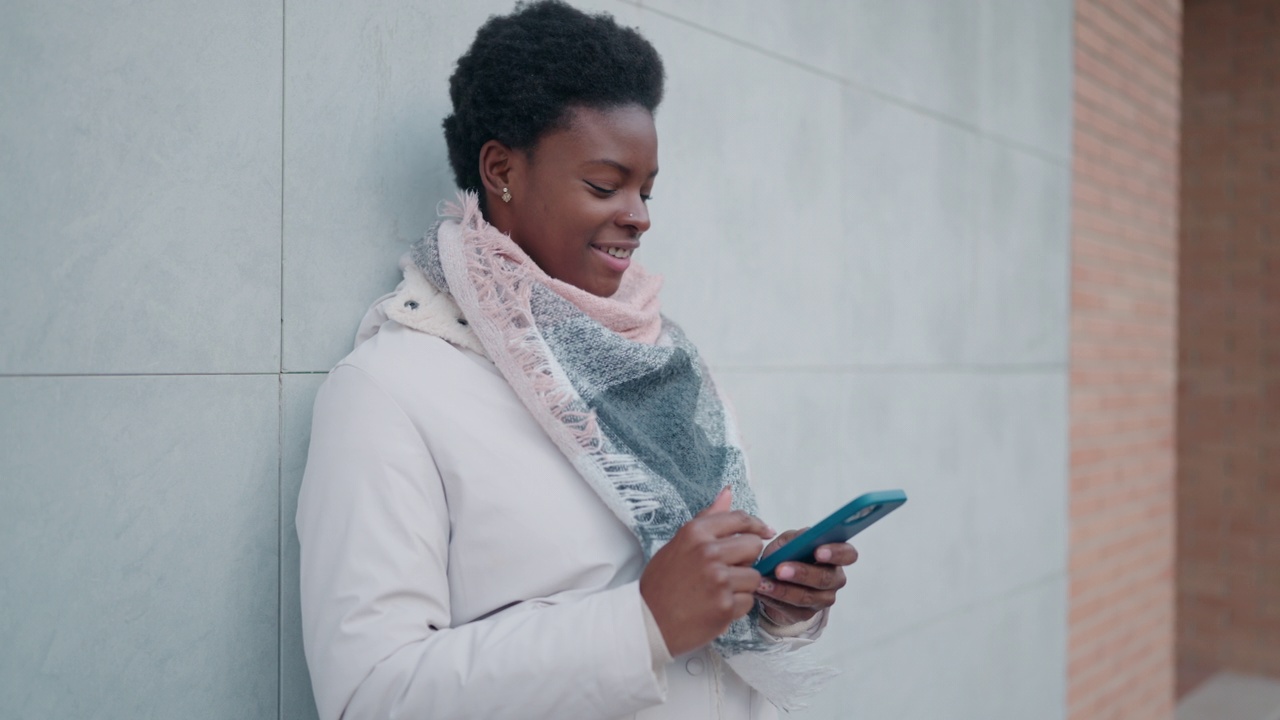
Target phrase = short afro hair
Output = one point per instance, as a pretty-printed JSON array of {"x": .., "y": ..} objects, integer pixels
[{"x": 526, "y": 71}]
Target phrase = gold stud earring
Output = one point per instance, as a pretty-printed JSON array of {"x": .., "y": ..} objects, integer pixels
[{"x": 506, "y": 195}]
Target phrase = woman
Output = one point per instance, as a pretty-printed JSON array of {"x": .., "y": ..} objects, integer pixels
[{"x": 524, "y": 497}]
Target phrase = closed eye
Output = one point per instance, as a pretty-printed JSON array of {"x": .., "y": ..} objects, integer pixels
[{"x": 597, "y": 188}]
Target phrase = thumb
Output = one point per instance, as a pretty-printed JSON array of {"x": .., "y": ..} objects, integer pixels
[{"x": 722, "y": 503}]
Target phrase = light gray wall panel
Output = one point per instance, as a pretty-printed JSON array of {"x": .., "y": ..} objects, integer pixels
[
  {"x": 796, "y": 30},
  {"x": 296, "y": 699},
  {"x": 1026, "y": 68},
  {"x": 982, "y": 457},
  {"x": 364, "y": 160},
  {"x": 1002, "y": 657},
  {"x": 746, "y": 210},
  {"x": 923, "y": 52},
  {"x": 138, "y": 547},
  {"x": 140, "y": 197},
  {"x": 908, "y": 199},
  {"x": 1020, "y": 295}
]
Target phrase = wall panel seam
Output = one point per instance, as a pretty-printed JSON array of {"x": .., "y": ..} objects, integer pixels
[
  {"x": 280, "y": 409},
  {"x": 1048, "y": 369},
  {"x": 153, "y": 374},
  {"x": 847, "y": 84},
  {"x": 1059, "y": 574}
]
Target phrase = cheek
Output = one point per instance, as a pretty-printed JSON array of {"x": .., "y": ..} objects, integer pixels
[
  {"x": 559, "y": 233},
  {"x": 575, "y": 236},
  {"x": 562, "y": 250}
]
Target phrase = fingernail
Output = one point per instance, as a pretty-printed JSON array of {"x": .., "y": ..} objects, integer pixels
[
  {"x": 786, "y": 572},
  {"x": 766, "y": 586},
  {"x": 824, "y": 554},
  {"x": 770, "y": 530}
]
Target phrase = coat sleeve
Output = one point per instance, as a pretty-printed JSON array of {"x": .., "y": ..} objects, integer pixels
[
  {"x": 374, "y": 532},
  {"x": 798, "y": 635}
]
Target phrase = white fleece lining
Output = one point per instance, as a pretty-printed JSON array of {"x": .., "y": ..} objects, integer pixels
[{"x": 417, "y": 304}]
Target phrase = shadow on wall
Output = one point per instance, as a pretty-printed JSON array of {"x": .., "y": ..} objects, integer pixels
[
  {"x": 412, "y": 163},
  {"x": 298, "y": 396}
]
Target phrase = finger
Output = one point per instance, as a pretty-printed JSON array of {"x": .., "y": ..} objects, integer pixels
[
  {"x": 781, "y": 540},
  {"x": 743, "y": 580},
  {"x": 734, "y": 522},
  {"x": 796, "y": 595},
  {"x": 737, "y": 549},
  {"x": 722, "y": 503},
  {"x": 842, "y": 554},
  {"x": 820, "y": 577},
  {"x": 743, "y": 602}
]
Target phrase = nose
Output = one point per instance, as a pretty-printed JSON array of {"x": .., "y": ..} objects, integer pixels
[{"x": 635, "y": 217}]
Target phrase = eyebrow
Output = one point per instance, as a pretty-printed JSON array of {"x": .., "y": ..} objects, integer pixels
[{"x": 615, "y": 164}]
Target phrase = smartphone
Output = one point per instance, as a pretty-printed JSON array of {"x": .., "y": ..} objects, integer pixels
[{"x": 839, "y": 526}]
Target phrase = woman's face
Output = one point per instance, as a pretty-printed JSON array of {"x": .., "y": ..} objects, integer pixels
[{"x": 578, "y": 198}]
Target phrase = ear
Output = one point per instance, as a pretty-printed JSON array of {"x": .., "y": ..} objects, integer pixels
[{"x": 496, "y": 162}]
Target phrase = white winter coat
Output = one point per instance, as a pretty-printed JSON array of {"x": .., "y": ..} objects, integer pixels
[{"x": 455, "y": 565}]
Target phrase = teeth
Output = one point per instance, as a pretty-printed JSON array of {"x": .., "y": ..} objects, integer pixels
[{"x": 619, "y": 252}]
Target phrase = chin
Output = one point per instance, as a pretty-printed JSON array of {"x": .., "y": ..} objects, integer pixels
[{"x": 604, "y": 288}]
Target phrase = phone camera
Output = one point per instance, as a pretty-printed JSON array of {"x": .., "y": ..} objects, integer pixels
[{"x": 864, "y": 512}]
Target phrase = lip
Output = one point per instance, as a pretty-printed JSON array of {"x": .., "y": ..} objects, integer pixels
[{"x": 615, "y": 264}]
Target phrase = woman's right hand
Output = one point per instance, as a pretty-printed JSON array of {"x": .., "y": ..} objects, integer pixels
[{"x": 702, "y": 580}]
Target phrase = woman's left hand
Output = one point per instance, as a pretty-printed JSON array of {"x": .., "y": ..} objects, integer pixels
[{"x": 798, "y": 591}]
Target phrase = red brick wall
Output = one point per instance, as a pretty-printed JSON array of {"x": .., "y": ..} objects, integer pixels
[
  {"x": 1229, "y": 393},
  {"x": 1123, "y": 359}
]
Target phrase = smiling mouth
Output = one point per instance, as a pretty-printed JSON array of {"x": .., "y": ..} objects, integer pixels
[
  {"x": 614, "y": 252},
  {"x": 615, "y": 258}
]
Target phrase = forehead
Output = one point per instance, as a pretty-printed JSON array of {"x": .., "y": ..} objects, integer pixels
[{"x": 624, "y": 134}]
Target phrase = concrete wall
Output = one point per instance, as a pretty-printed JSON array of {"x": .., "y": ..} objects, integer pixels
[{"x": 862, "y": 217}]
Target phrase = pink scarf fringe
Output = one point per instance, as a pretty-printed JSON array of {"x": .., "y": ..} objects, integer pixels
[{"x": 633, "y": 311}]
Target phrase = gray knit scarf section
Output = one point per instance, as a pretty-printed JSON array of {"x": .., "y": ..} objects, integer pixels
[{"x": 669, "y": 445}]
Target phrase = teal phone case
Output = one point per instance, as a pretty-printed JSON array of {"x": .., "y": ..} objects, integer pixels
[{"x": 839, "y": 526}]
